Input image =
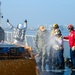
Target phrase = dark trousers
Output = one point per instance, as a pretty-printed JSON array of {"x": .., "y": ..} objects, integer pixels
[
  {"x": 72, "y": 55},
  {"x": 59, "y": 57},
  {"x": 56, "y": 59}
]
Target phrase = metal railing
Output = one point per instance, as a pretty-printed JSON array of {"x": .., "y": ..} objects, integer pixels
[{"x": 29, "y": 39}]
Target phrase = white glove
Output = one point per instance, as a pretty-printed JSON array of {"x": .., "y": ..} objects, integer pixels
[
  {"x": 73, "y": 48},
  {"x": 56, "y": 47}
]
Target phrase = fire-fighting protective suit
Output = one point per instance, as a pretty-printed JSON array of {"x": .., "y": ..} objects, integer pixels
[{"x": 19, "y": 32}]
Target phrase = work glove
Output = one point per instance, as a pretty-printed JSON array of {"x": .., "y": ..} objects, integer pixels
[
  {"x": 55, "y": 47},
  {"x": 7, "y": 20},
  {"x": 73, "y": 48},
  {"x": 25, "y": 21}
]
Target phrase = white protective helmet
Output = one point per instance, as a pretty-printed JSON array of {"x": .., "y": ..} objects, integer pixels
[{"x": 21, "y": 26}]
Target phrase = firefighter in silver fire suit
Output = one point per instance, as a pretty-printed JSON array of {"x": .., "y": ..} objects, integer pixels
[{"x": 19, "y": 32}]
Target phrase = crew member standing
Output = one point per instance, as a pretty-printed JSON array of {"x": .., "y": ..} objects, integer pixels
[
  {"x": 71, "y": 41},
  {"x": 58, "y": 49},
  {"x": 41, "y": 44}
]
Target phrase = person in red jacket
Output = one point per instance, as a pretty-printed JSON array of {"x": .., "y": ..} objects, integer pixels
[{"x": 71, "y": 41}]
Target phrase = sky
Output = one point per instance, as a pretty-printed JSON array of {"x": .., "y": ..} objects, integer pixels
[{"x": 38, "y": 12}]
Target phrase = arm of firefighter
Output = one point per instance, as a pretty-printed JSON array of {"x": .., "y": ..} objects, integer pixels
[
  {"x": 36, "y": 40},
  {"x": 73, "y": 39},
  {"x": 25, "y": 24},
  {"x": 73, "y": 42},
  {"x": 9, "y": 24},
  {"x": 36, "y": 55},
  {"x": 74, "y": 36},
  {"x": 65, "y": 38},
  {"x": 36, "y": 43}
]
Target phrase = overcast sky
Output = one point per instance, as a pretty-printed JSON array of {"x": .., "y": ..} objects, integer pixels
[{"x": 38, "y": 12}]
